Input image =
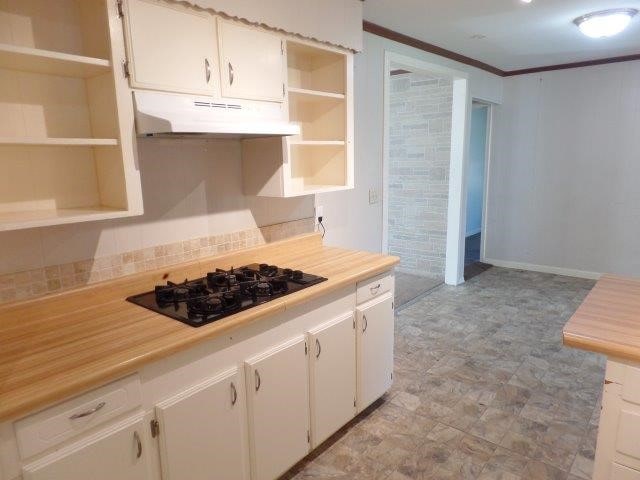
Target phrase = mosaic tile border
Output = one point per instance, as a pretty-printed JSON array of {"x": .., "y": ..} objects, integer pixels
[{"x": 57, "y": 278}]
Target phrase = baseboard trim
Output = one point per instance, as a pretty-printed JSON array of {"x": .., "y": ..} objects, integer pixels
[{"x": 568, "y": 272}]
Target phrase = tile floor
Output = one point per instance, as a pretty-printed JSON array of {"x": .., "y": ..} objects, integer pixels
[
  {"x": 410, "y": 286},
  {"x": 483, "y": 389}
]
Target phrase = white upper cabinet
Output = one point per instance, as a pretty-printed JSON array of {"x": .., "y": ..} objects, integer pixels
[
  {"x": 332, "y": 371},
  {"x": 375, "y": 321},
  {"x": 278, "y": 406},
  {"x": 171, "y": 47},
  {"x": 251, "y": 63},
  {"x": 119, "y": 453},
  {"x": 202, "y": 431}
]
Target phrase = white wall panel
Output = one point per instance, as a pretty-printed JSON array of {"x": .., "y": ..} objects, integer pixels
[{"x": 564, "y": 174}]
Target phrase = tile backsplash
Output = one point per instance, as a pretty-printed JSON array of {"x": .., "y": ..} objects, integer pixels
[{"x": 56, "y": 278}]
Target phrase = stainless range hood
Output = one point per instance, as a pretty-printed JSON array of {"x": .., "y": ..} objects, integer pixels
[{"x": 166, "y": 114}]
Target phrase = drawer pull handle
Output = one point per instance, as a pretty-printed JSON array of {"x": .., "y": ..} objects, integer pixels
[
  {"x": 374, "y": 290},
  {"x": 230, "y": 74},
  {"x": 318, "y": 348},
  {"x": 234, "y": 394},
  {"x": 366, "y": 323},
  {"x": 136, "y": 437},
  {"x": 75, "y": 416},
  {"x": 258, "y": 381}
]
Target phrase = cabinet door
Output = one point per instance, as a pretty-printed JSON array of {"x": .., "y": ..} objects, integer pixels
[
  {"x": 375, "y": 349},
  {"x": 117, "y": 453},
  {"x": 202, "y": 431},
  {"x": 171, "y": 47},
  {"x": 332, "y": 385},
  {"x": 618, "y": 472},
  {"x": 278, "y": 405},
  {"x": 251, "y": 63}
]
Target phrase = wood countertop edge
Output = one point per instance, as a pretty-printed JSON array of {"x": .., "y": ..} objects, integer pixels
[
  {"x": 20, "y": 406},
  {"x": 603, "y": 347},
  {"x": 608, "y": 320}
]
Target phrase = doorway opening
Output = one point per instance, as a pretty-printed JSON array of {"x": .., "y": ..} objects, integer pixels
[
  {"x": 419, "y": 126},
  {"x": 476, "y": 191},
  {"x": 426, "y": 110}
]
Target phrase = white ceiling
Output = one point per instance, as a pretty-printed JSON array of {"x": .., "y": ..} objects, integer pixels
[{"x": 518, "y": 35}]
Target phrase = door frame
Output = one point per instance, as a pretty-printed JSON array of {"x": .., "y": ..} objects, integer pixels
[
  {"x": 460, "y": 137},
  {"x": 487, "y": 161}
]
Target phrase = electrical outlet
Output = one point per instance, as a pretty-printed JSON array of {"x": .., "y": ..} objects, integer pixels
[{"x": 373, "y": 196}]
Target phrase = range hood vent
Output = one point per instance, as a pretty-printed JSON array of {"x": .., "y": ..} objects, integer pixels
[{"x": 166, "y": 114}]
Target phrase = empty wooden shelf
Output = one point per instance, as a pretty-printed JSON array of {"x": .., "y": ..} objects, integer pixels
[
  {"x": 314, "y": 95},
  {"x": 36, "y": 60},
  {"x": 62, "y": 142},
  {"x": 43, "y": 218}
]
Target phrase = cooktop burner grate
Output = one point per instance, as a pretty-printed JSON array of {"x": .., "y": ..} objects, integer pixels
[{"x": 223, "y": 292}]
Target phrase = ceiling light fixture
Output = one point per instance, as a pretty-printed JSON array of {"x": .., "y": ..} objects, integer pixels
[{"x": 605, "y": 23}]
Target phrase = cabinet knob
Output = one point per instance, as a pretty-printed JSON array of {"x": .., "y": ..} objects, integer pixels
[
  {"x": 136, "y": 438},
  {"x": 258, "y": 381},
  {"x": 318, "y": 348},
  {"x": 366, "y": 323}
]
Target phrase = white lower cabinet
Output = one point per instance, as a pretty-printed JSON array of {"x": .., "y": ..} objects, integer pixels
[
  {"x": 375, "y": 321},
  {"x": 618, "y": 472},
  {"x": 286, "y": 390},
  {"x": 618, "y": 452},
  {"x": 202, "y": 431},
  {"x": 332, "y": 370},
  {"x": 278, "y": 408},
  {"x": 116, "y": 453}
]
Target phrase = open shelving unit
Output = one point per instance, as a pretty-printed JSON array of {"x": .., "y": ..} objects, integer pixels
[
  {"x": 320, "y": 101},
  {"x": 66, "y": 149}
]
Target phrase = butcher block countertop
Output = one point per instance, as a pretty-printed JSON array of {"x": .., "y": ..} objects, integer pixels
[
  {"x": 608, "y": 321},
  {"x": 59, "y": 346}
]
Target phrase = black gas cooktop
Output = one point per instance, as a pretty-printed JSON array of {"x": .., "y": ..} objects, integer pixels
[{"x": 224, "y": 292}]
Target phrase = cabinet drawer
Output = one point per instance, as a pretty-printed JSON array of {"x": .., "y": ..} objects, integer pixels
[
  {"x": 618, "y": 472},
  {"x": 374, "y": 287},
  {"x": 49, "y": 427}
]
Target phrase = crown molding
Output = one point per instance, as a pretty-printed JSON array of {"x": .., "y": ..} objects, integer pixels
[
  {"x": 428, "y": 47},
  {"x": 443, "y": 52}
]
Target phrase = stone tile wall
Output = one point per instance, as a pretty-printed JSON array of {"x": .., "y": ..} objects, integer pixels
[
  {"x": 419, "y": 157},
  {"x": 56, "y": 278}
]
